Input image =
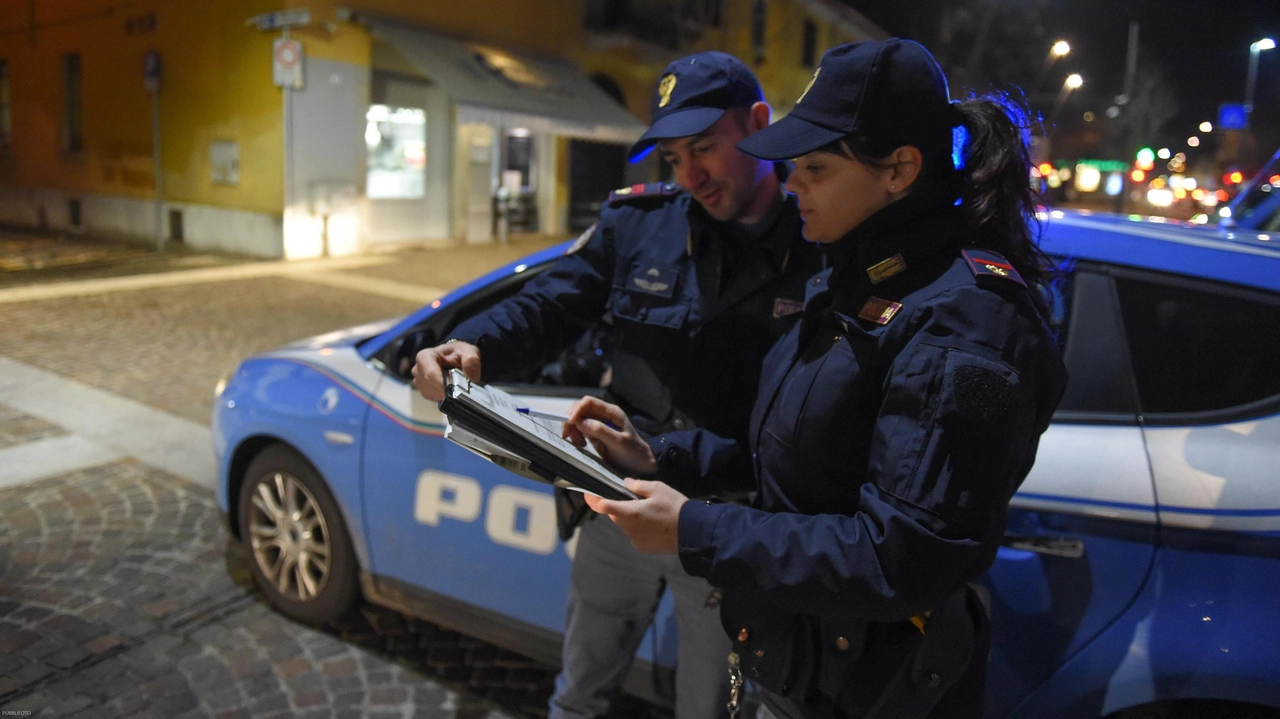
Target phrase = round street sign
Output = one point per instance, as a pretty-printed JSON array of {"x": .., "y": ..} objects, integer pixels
[
  {"x": 286, "y": 63},
  {"x": 287, "y": 53}
]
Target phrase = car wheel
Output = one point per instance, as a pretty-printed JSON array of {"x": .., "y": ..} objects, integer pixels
[{"x": 293, "y": 534}]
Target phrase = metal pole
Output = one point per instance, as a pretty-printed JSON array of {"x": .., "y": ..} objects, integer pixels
[
  {"x": 288, "y": 154},
  {"x": 1127, "y": 146},
  {"x": 156, "y": 169},
  {"x": 1131, "y": 60},
  {"x": 1252, "y": 80}
]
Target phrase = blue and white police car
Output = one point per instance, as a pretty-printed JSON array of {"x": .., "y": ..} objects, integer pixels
[{"x": 1141, "y": 572}]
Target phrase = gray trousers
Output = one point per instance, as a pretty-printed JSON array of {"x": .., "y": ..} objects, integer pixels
[{"x": 613, "y": 595}]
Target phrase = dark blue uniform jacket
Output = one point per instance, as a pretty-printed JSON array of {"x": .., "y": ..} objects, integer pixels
[
  {"x": 694, "y": 310},
  {"x": 885, "y": 456}
]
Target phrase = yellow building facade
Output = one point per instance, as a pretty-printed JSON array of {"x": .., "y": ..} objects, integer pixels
[{"x": 413, "y": 121}]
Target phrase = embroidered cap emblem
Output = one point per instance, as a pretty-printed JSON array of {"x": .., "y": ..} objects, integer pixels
[{"x": 665, "y": 86}]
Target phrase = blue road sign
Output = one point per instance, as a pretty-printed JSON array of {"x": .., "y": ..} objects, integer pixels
[{"x": 1232, "y": 117}]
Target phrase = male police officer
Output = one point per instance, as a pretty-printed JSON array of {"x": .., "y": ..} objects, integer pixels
[{"x": 697, "y": 282}]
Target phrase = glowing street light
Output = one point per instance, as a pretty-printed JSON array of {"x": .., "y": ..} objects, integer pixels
[
  {"x": 1058, "y": 51},
  {"x": 1072, "y": 82},
  {"x": 1265, "y": 43},
  {"x": 1193, "y": 141},
  {"x": 1206, "y": 126}
]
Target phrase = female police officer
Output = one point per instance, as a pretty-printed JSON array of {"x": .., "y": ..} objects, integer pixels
[{"x": 893, "y": 423}]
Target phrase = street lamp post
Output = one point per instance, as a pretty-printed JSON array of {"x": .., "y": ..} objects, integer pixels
[{"x": 1255, "y": 49}]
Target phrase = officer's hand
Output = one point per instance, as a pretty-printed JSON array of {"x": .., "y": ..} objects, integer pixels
[
  {"x": 590, "y": 420},
  {"x": 652, "y": 522},
  {"x": 428, "y": 371}
]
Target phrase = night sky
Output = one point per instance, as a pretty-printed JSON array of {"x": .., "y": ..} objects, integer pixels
[{"x": 1201, "y": 45}]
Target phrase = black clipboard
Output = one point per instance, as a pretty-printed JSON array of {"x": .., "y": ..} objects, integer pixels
[{"x": 490, "y": 414}]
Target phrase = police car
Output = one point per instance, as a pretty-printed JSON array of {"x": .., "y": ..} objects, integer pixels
[{"x": 1141, "y": 569}]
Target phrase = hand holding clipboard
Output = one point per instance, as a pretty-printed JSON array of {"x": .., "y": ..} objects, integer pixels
[{"x": 494, "y": 417}]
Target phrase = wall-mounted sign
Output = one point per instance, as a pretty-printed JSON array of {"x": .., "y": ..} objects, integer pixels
[
  {"x": 281, "y": 20},
  {"x": 1232, "y": 117},
  {"x": 224, "y": 162}
]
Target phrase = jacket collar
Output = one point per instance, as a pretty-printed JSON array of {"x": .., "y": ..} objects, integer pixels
[
  {"x": 776, "y": 240},
  {"x": 917, "y": 228}
]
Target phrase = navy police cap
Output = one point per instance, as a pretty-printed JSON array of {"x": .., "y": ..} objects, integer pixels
[
  {"x": 891, "y": 92},
  {"x": 692, "y": 93}
]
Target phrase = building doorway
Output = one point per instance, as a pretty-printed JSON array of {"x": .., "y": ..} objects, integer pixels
[{"x": 595, "y": 169}]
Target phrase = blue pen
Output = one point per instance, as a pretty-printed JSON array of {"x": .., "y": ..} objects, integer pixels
[{"x": 557, "y": 417}]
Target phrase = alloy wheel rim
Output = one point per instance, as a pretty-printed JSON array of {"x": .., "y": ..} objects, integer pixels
[{"x": 290, "y": 537}]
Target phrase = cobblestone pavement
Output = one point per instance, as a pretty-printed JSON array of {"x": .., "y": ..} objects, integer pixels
[
  {"x": 454, "y": 266},
  {"x": 168, "y": 346},
  {"x": 123, "y": 598},
  {"x": 19, "y": 428},
  {"x": 36, "y": 257},
  {"x": 119, "y": 592}
]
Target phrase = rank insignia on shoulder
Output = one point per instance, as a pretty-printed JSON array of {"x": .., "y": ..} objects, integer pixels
[
  {"x": 881, "y": 271},
  {"x": 582, "y": 240},
  {"x": 985, "y": 263},
  {"x": 642, "y": 191},
  {"x": 879, "y": 311},
  {"x": 783, "y": 308}
]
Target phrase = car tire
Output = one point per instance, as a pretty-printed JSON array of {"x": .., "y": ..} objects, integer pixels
[{"x": 295, "y": 539}]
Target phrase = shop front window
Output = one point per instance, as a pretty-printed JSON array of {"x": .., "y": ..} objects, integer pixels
[{"x": 397, "y": 142}]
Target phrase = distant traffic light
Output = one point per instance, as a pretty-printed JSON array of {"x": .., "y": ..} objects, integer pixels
[
  {"x": 1233, "y": 178},
  {"x": 1137, "y": 175},
  {"x": 1146, "y": 159}
]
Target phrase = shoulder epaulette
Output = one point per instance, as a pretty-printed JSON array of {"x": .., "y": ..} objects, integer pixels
[
  {"x": 985, "y": 263},
  {"x": 641, "y": 192}
]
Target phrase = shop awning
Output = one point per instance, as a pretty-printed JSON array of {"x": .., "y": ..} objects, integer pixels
[{"x": 509, "y": 88}]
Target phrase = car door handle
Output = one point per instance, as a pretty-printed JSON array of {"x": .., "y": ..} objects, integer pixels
[
  {"x": 1053, "y": 546},
  {"x": 340, "y": 438}
]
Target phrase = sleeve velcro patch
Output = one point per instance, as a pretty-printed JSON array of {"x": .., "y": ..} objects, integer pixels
[{"x": 981, "y": 394}]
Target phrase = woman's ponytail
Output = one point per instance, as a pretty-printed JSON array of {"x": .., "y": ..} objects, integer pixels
[{"x": 998, "y": 198}]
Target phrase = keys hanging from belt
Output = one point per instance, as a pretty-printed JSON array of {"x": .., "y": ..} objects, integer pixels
[{"x": 735, "y": 685}]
